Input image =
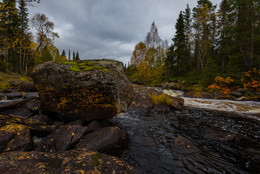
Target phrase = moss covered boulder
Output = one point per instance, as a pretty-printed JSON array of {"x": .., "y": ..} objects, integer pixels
[
  {"x": 85, "y": 90},
  {"x": 80, "y": 161}
]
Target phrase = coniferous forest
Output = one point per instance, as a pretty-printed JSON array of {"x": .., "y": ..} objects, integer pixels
[
  {"x": 214, "y": 48},
  {"x": 20, "y": 48}
]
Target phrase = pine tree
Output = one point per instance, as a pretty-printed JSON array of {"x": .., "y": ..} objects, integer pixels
[
  {"x": 63, "y": 54},
  {"x": 69, "y": 56},
  {"x": 77, "y": 56},
  {"x": 180, "y": 44},
  {"x": 73, "y": 56}
]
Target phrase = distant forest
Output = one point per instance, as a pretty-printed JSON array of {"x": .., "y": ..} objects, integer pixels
[
  {"x": 209, "y": 42},
  {"x": 20, "y": 50}
]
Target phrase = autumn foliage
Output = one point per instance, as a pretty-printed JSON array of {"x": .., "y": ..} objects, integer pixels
[
  {"x": 249, "y": 81},
  {"x": 222, "y": 85}
]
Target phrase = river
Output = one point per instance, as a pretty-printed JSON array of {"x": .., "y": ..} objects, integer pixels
[
  {"x": 226, "y": 134},
  {"x": 228, "y": 142}
]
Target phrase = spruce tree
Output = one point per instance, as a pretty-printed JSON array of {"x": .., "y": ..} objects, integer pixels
[
  {"x": 77, "y": 56},
  {"x": 63, "y": 54}
]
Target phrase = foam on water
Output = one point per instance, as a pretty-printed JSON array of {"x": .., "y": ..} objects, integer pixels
[{"x": 242, "y": 107}]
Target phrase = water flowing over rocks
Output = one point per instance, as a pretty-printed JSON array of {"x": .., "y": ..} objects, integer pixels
[{"x": 99, "y": 91}]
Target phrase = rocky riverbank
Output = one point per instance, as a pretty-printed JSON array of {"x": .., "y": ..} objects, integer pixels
[{"x": 66, "y": 129}]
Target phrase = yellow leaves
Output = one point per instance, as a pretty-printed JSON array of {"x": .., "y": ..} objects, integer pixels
[{"x": 81, "y": 171}]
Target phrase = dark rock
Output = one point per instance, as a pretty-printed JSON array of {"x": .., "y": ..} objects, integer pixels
[
  {"x": 99, "y": 93},
  {"x": 94, "y": 125},
  {"x": 27, "y": 87},
  {"x": 14, "y": 95},
  {"x": 3, "y": 97},
  {"x": 18, "y": 111},
  {"x": 222, "y": 136},
  {"x": 75, "y": 161},
  {"x": 77, "y": 123},
  {"x": 32, "y": 105},
  {"x": 236, "y": 94},
  {"x": 31, "y": 95},
  {"x": 41, "y": 118},
  {"x": 62, "y": 139},
  {"x": 33, "y": 125},
  {"x": 9, "y": 91},
  {"x": 26, "y": 107},
  {"x": 182, "y": 145},
  {"x": 14, "y": 137},
  {"x": 102, "y": 139}
]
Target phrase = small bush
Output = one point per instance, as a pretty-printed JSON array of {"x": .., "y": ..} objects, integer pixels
[{"x": 161, "y": 99}]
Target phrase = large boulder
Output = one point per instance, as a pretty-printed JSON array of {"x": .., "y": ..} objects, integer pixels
[
  {"x": 86, "y": 90},
  {"x": 76, "y": 161}
]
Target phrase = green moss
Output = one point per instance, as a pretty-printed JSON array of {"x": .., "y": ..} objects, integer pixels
[
  {"x": 161, "y": 99},
  {"x": 75, "y": 68},
  {"x": 83, "y": 66},
  {"x": 96, "y": 158}
]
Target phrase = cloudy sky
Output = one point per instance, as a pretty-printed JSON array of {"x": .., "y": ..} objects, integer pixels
[{"x": 109, "y": 28}]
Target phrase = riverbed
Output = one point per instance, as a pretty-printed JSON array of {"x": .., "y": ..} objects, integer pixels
[{"x": 227, "y": 138}]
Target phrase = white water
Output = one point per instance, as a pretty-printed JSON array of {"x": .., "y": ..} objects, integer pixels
[{"x": 242, "y": 107}]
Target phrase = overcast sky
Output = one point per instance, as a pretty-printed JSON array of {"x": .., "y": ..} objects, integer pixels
[{"x": 109, "y": 28}]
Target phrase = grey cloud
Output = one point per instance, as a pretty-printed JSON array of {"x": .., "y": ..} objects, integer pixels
[{"x": 110, "y": 28}]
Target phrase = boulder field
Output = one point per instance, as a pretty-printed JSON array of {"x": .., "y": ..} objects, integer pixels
[{"x": 65, "y": 129}]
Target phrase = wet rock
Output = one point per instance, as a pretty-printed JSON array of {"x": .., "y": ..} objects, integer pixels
[
  {"x": 62, "y": 139},
  {"x": 103, "y": 139},
  {"x": 183, "y": 145},
  {"x": 94, "y": 125},
  {"x": 236, "y": 94},
  {"x": 41, "y": 118},
  {"x": 99, "y": 90},
  {"x": 15, "y": 137},
  {"x": 76, "y": 161},
  {"x": 14, "y": 95},
  {"x": 141, "y": 100},
  {"x": 18, "y": 111},
  {"x": 77, "y": 123},
  {"x": 27, "y": 86},
  {"x": 168, "y": 85},
  {"x": 26, "y": 107},
  {"x": 9, "y": 91},
  {"x": 2, "y": 97},
  {"x": 222, "y": 136},
  {"x": 32, "y": 105}
]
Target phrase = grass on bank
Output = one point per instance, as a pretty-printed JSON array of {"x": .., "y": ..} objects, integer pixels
[{"x": 11, "y": 78}]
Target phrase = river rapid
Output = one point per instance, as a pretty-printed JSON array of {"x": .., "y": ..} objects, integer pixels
[{"x": 226, "y": 134}]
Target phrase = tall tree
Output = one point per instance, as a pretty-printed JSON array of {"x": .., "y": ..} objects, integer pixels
[
  {"x": 69, "y": 56},
  {"x": 77, "y": 56},
  {"x": 153, "y": 39},
  {"x": 44, "y": 28},
  {"x": 138, "y": 54},
  {"x": 180, "y": 44},
  {"x": 203, "y": 15}
]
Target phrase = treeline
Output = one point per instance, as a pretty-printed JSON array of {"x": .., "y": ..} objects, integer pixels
[
  {"x": 209, "y": 42},
  {"x": 20, "y": 50}
]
